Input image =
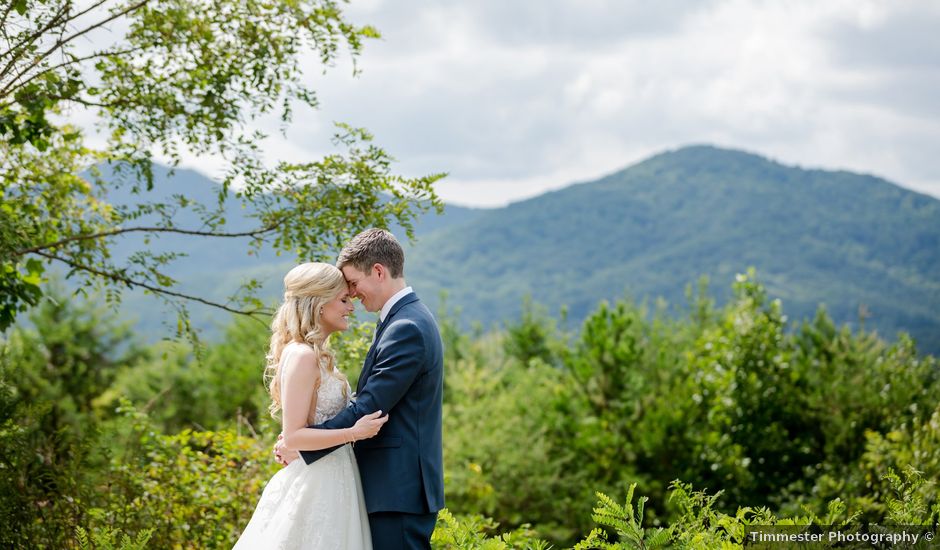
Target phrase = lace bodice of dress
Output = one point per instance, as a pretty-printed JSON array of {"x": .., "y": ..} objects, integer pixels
[{"x": 331, "y": 398}]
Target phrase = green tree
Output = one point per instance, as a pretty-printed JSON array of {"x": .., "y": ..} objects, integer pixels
[
  {"x": 174, "y": 76},
  {"x": 533, "y": 335},
  {"x": 51, "y": 376},
  {"x": 67, "y": 358}
]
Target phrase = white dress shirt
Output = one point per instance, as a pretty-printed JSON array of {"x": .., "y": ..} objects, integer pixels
[{"x": 392, "y": 301}]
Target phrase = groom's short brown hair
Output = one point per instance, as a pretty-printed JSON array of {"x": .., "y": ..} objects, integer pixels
[{"x": 373, "y": 246}]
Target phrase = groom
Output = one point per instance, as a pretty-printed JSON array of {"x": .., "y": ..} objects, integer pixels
[{"x": 402, "y": 468}]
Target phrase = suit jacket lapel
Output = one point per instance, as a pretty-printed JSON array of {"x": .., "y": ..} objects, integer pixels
[{"x": 370, "y": 355}]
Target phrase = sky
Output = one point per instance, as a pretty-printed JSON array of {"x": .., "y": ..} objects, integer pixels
[{"x": 513, "y": 98}]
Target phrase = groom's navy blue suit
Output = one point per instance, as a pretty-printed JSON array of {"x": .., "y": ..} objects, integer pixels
[{"x": 402, "y": 468}]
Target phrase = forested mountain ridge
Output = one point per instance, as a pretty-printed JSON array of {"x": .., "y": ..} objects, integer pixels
[
  {"x": 858, "y": 244},
  {"x": 845, "y": 240}
]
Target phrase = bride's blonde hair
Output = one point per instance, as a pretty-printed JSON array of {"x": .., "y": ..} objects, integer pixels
[{"x": 307, "y": 288}]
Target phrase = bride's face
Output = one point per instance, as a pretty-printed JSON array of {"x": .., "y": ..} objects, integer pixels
[{"x": 335, "y": 313}]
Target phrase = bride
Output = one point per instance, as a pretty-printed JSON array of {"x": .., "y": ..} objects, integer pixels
[{"x": 319, "y": 506}]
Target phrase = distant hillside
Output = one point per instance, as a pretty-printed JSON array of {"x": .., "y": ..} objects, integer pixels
[
  {"x": 214, "y": 268},
  {"x": 815, "y": 236}
]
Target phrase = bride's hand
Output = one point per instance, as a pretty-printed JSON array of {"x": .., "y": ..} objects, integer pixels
[
  {"x": 368, "y": 426},
  {"x": 282, "y": 454}
]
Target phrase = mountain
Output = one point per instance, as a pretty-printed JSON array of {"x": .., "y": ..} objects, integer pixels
[
  {"x": 815, "y": 236},
  {"x": 841, "y": 239}
]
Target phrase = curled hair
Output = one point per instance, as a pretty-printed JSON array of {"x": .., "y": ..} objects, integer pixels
[{"x": 307, "y": 288}]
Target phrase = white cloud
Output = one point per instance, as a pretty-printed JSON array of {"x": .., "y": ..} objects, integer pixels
[{"x": 515, "y": 98}]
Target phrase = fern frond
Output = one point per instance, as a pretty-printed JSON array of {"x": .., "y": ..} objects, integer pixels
[
  {"x": 597, "y": 538},
  {"x": 659, "y": 539},
  {"x": 82, "y": 537}
]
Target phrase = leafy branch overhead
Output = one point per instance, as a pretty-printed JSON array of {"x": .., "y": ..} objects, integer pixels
[{"x": 167, "y": 78}]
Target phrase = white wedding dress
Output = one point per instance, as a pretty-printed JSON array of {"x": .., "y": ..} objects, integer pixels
[{"x": 313, "y": 507}]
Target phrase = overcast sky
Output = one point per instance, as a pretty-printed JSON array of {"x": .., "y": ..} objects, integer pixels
[{"x": 515, "y": 98}]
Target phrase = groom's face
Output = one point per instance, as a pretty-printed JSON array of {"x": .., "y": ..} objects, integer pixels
[{"x": 364, "y": 286}]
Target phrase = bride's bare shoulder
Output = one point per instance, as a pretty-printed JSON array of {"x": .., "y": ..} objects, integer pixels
[{"x": 300, "y": 355}]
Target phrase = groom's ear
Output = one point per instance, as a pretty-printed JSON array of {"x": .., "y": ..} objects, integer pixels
[{"x": 380, "y": 271}]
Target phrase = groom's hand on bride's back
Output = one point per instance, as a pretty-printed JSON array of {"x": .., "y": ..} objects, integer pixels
[{"x": 283, "y": 455}]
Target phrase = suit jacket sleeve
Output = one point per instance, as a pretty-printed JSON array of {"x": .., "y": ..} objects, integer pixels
[{"x": 399, "y": 360}]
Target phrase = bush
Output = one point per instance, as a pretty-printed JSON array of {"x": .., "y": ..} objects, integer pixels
[
  {"x": 505, "y": 453},
  {"x": 699, "y": 525},
  {"x": 192, "y": 489},
  {"x": 52, "y": 371},
  {"x": 734, "y": 400}
]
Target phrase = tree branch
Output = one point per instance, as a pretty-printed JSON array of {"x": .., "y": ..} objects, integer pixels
[
  {"x": 6, "y": 13},
  {"x": 37, "y": 249},
  {"x": 73, "y": 99},
  {"x": 88, "y": 102},
  {"x": 29, "y": 39},
  {"x": 42, "y": 30},
  {"x": 117, "y": 278},
  {"x": 83, "y": 12},
  {"x": 66, "y": 64},
  {"x": 63, "y": 42}
]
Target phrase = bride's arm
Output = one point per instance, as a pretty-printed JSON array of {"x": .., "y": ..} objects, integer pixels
[{"x": 299, "y": 380}]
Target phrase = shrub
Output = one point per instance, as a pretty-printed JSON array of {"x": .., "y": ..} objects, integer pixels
[{"x": 192, "y": 489}]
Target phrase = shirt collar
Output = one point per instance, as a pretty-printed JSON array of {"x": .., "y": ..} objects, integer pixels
[{"x": 392, "y": 301}]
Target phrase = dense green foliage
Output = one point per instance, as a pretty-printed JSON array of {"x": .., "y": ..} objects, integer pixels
[
  {"x": 161, "y": 446},
  {"x": 727, "y": 399}
]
